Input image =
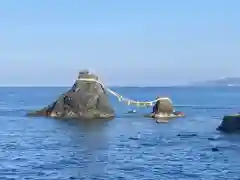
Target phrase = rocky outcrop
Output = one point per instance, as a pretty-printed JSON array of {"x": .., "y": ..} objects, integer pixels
[
  {"x": 230, "y": 124},
  {"x": 162, "y": 107},
  {"x": 163, "y": 111},
  {"x": 85, "y": 100}
]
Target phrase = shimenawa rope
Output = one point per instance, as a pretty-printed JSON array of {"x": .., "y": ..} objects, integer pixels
[{"x": 124, "y": 99}]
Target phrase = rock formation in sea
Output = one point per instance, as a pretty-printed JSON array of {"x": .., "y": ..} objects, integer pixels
[
  {"x": 162, "y": 106},
  {"x": 165, "y": 106},
  {"x": 230, "y": 124},
  {"x": 85, "y": 100}
]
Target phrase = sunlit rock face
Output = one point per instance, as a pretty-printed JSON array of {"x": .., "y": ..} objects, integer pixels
[{"x": 85, "y": 100}]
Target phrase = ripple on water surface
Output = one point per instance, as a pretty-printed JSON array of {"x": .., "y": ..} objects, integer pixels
[{"x": 129, "y": 147}]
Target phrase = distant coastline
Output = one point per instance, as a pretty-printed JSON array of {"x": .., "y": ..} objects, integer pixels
[{"x": 223, "y": 82}]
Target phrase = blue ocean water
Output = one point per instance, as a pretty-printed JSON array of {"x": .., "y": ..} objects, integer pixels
[{"x": 129, "y": 147}]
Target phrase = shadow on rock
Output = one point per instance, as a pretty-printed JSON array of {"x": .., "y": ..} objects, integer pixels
[
  {"x": 230, "y": 124},
  {"x": 86, "y": 100}
]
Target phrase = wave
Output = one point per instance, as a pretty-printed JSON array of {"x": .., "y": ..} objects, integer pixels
[{"x": 9, "y": 111}]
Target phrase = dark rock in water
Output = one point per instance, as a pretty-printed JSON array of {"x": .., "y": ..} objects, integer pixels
[
  {"x": 85, "y": 100},
  {"x": 133, "y": 138},
  {"x": 211, "y": 139},
  {"x": 215, "y": 149},
  {"x": 230, "y": 124},
  {"x": 187, "y": 135}
]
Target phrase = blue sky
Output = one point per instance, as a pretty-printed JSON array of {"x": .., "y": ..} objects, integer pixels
[{"x": 126, "y": 42}]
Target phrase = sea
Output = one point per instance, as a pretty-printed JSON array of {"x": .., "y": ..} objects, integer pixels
[{"x": 129, "y": 147}]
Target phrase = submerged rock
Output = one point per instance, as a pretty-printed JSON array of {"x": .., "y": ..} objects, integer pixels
[
  {"x": 85, "y": 100},
  {"x": 211, "y": 139},
  {"x": 230, "y": 124},
  {"x": 215, "y": 149},
  {"x": 187, "y": 135}
]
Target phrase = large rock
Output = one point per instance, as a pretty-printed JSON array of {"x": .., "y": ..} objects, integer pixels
[
  {"x": 85, "y": 100},
  {"x": 230, "y": 124}
]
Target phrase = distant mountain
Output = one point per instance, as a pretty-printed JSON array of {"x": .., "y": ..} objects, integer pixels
[{"x": 231, "y": 81}]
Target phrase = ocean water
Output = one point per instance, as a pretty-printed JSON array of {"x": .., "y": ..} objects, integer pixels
[{"x": 128, "y": 147}]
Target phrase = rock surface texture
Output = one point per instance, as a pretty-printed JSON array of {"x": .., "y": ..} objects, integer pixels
[
  {"x": 85, "y": 100},
  {"x": 230, "y": 124},
  {"x": 162, "y": 108}
]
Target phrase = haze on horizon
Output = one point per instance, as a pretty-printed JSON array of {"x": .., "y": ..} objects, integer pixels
[{"x": 135, "y": 42}]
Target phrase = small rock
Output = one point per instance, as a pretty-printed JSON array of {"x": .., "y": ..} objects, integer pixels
[
  {"x": 211, "y": 139},
  {"x": 215, "y": 149},
  {"x": 133, "y": 138},
  {"x": 187, "y": 135}
]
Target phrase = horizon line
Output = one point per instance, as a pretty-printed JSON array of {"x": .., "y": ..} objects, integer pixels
[
  {"x": 112, "y": 86},
  {"x": 42, "y": 85}
]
